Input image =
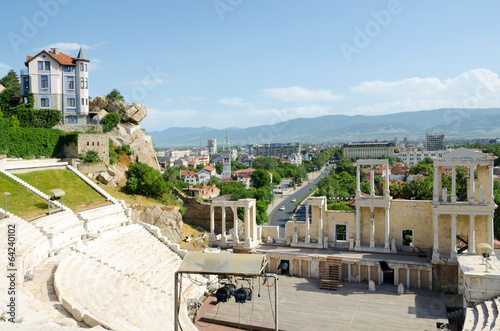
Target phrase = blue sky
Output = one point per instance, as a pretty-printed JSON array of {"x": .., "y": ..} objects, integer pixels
[{"x": 240, "y": 63}]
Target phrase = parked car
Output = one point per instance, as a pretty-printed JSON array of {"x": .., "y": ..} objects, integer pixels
[{"x": 282, "y": 208}]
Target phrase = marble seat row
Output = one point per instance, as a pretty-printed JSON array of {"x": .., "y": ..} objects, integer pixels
[
  {"x": 102, "y": 218},
  {"x": 483, "y": 316},
  {"x": 130, "y": 289},
  {"x": 61, "y": 228}
]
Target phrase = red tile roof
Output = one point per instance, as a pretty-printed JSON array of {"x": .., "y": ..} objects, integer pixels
[
  {"x": 187, "y": 173},
  {"x": 209, "y": 168},
  {"x": 61, "y": 58}
]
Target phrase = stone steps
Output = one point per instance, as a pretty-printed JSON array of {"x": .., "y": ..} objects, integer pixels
[{"x": 483, "y": 316}]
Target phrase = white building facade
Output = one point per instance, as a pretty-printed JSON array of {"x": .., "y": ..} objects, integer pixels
[{"x": 414, "y": 157}]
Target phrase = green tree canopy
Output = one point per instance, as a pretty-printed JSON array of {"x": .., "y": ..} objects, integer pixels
[
  {"x": 11, "y": 80},
  {"x": 145, "y": 180},
  {"x": 260, "y": 178},
  {"x": 114, "y": 95},
  {"x": 110, "y": 121}
]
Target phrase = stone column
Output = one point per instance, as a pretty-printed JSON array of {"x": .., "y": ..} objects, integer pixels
[
  {"x": 436, "y": 189},
  {"x": 358, "y": 226},
  {"x": 320, "y": 226},
  {"x": 212, "y": 223},
  {"x": 472, "y": 182},
  {"x": 358, "y": 180},
  {"x": 349, "y": 266},
  {"x": 308, "y": 234},
  {"x": 291, "y": 273},
  {"x": 453, "y": 184},
  {"x": 369, "y": 271},
  {"x": 453, "y": 248},
  {"x": 419, "y": 270},
  {"x": 372, "y": 227},
  {"x": 491, "y": 233},
  {"x": 435, "y": 248},
  {"x": 235, "y": 224},
  {"x": 372, "y": 181},
  {"x": 224, "y": 235},
  {"x": 430, "y": 279},
  {"x": 334, "y": 232},
  {"x": 359, "y": 271},
  {"x": 380, "y": 273},
  {"x": 407, "y": 277},
  {"x": 387, "y": 177},
  {"x": 295, "y": 234},
  {"x": 472, "y": 236},
  {"x": 396, "y": 276},
  {"x": 387, "y": 229},
  {"x": 247, "y": 225},
  {"x": 491, "y": 197}
]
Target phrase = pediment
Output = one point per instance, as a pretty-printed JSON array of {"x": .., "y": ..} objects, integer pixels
[{"x": 465, "y": 154}]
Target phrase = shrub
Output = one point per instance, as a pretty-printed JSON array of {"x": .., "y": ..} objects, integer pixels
[
  {"x": 34, "y": 118},
  {"x": 145, "y": 180},
  {"x": 91, "y": 156},
  {"x": 23, "y": 142},
  {"x": 110, "y": 121}
]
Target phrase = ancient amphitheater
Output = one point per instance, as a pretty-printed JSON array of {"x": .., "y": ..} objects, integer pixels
[{"x": 119, "y": 276}]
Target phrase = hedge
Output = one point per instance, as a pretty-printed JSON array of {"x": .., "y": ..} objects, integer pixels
[
  {"x": 28, "y": 142},
  {"x": 34, "y": 118}
]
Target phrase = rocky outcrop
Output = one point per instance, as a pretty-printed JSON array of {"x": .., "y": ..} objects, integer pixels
[
  {"x": 128, "y": 131},
  {"x": 168, "y": 219}
]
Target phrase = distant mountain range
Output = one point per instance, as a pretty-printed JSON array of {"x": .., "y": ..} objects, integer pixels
[{"x": 455, "y": 123}]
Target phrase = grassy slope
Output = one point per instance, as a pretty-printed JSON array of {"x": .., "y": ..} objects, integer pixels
[
  {"x": 78, "y": 194},
  {"x": 22, "y": 202}
]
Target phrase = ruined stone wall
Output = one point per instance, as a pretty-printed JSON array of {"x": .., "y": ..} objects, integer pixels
[
  {"x": 198, "y": 213},
  {"x": 97, "y": 142},
  {"x": 445, "y": 278}
]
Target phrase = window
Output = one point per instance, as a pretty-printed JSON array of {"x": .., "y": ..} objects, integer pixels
[
  {"x": 26, "y": 84},
  {"x": 47, "y": 65},
  {"x": 71, "y": 83},
  {"x": 86, "y": 101},
  {"x": 71, "y": 119},
  {"x": 85, "y": 66},
  {"x": 44, "y": 82},
  {"x": 81, "y": 66},
  {"x": 82, "y": 83},
  {"x": 44, "y": 102},
  {"x": 40, "y": 65},
  {"x": 407, "y": 237},
  {"x": 71, "y": 102},
  {"x": 340, "y": 230},
  {"x": 83, "y": 102},
  {"x": 86, "y": 83},
  {"x": 88, "y": 143}
]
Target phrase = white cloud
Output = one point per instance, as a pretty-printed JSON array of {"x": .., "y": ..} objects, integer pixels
[
  {"x": 4, "y": 69},
  {"x": 95, "y": 64},
  {"x": 478, "y": 88},
  {"x": 237, "y": 102},
  {"x": 149, "y": 82},
  {"x": 70, "y": 47},
  {"x": 298, "y": 94}
]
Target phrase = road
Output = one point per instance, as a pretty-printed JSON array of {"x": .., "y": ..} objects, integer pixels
[{"x": 280, "y": 217}]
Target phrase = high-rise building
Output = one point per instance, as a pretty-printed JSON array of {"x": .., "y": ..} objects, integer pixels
[
  {"x": 212, "y": 146},
  {"x": 58, "y": 81},
  {"x": 434, "y": 141},
  {"x": 226, "y": 159},
  {"x": 277, "y": 149}
]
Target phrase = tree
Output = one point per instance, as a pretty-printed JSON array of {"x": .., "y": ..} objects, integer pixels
[
  {"x": 170, "y": 174},
  {"x": 145, "y": 180},
  {"x": 14, "y": 122},
  {"x": 110, "y": 121},
  {"x": 267, "y": 163},
  {"x": 261, "y": 216},
  {"x": 91, "y": 156},
  {"x": 11, "y": 80},
  {"x": 260, "y": 178},
  {"x": 114, "y": 95}
]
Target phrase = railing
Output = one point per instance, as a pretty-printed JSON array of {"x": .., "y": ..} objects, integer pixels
[{"x": 24, "y": 72}]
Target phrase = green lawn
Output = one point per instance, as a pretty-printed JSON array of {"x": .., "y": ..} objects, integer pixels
[
  {"x": 22, "y": 202},
  {"x": 78, "y": 194}
]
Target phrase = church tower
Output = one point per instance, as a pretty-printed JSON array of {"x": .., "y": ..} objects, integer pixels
[{"x": 226, "y": 162}]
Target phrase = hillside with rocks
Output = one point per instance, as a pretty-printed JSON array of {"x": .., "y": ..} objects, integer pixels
[{"x": 128, "y": 131}]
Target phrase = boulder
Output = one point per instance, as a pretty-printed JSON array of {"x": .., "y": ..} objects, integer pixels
[
  {"x": 117, "y": 107},
  {"x": 111, "y": 172},
  {"x": 168, "y": 219},
  {"x": 119, "y": 176},
  {"x": 144, "y": 152},
  {"x": 129, "y": 113},
  {"x": 99, "y": 101},
  {"x": 140, "y": 114},
  {"x": 104, "y": 177},
  {"x": 371, "y": 286},
  {"x": 101, "y": 114}
]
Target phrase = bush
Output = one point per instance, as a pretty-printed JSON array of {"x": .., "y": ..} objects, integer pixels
[
  {"x": 110, "y": 121},
  {"x": 145, "y": 180},
  {"x": 91, "y": 156},
  {"x": 23, "y": 142},
  {"x": 34, "y": 118}
]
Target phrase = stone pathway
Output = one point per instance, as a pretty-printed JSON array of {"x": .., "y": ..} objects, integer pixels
[{"x": 42, "y": 288}]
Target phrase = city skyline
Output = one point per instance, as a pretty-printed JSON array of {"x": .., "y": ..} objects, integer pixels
[{"x": 240, "y": 63}]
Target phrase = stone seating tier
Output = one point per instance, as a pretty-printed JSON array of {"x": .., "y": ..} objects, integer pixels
[
  {"x": 102, "y": 218},
  {"x": 483, "y": 316},
  {"x": 62, "y": 228},
  {"x": 122, "y": 280}
]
